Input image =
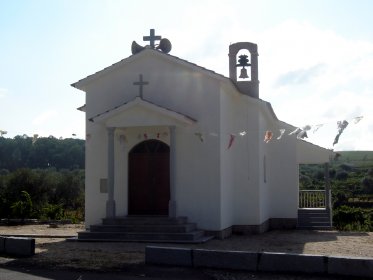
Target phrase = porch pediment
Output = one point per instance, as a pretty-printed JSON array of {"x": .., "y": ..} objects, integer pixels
[{"x": 139, "y": 112}]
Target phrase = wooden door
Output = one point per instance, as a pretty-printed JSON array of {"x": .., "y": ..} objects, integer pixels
[{"x": 149, "y": 178}]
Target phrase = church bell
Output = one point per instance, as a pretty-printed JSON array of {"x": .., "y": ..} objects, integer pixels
[
  {"x": 242, "y": 62},
  {"x": 243, "y": 74}
]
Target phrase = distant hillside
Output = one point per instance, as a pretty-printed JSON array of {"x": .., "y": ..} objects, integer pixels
[
  {"x": 356, "y": 158},
  {"x": 23, "y": 151},
  {"x": 351, "y": 173}
]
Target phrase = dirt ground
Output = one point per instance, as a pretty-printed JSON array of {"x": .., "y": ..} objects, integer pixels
[{"x": 56, "y": 252}]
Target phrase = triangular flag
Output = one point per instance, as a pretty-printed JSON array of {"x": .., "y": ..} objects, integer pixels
[
  {"x": 357, "y": 119},
  {"x": 317, "y": 127},
  {"x": 295, "y": 131},
  {"x": 231, "y": 140},
  {"x": 341, "y": 126},
  {"x": 282, "y": 131},
  {"x": 268, "y": 136},
  {"x": 199, "y": 135}
]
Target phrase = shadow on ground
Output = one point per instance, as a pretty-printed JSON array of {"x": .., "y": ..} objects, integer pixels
[
  {"x": 293, "y": 241},
  {"x": 135, "y": 272},
  {"x": 60, "y": 254},
  {"x": 54, "y": 253}
]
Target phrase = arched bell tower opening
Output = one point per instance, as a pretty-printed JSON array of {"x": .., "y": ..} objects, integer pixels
[{"x": 243, "y": 67}]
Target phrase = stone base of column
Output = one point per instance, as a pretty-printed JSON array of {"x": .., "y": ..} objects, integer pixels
[
  {"x": 110, "y": 209},
  {"x": 172, "y": 208}
]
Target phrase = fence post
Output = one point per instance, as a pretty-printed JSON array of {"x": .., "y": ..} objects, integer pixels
[{"x": 327, "y": 187}]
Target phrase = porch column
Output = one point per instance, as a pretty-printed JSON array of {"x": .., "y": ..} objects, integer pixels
[
  {"x": 327, "y": 187},
  {"x": 172, "y": 202},
  {"x": 110, "y": 203}
]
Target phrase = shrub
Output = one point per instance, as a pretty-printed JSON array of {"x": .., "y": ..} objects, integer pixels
[
  {"x": 53, "y": 211},
  {"x": 23, "y": 207},
  {"x": 345, "y": 167},
  {"x": 341, "y": 175},
  {"x": 367, "y": 183},
  {"x": 352, "y": 219}
]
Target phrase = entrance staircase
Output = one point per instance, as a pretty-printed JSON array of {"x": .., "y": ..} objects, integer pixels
[
  {"x": 314, "y": 218},
  {"x": 145, "y": 229}
]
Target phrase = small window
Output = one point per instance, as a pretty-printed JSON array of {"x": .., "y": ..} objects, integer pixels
[{"x": 103, "y": 185}]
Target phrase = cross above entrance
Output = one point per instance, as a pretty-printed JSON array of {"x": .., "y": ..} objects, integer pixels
[
  {"x": 152, "y": 38},
  {"x": 141, "y": 84}
]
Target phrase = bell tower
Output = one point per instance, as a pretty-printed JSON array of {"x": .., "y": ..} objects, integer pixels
[{"x": 243, "y": 57}]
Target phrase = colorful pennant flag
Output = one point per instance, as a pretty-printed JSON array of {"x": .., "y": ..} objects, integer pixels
[
  {"x": 199, "y": 135},
  {"x": 282, "y": 131},
  {"x": 268, "y": 136},
  {"x": 231, "y": 140},
  {"x": 341, "y": 126}
]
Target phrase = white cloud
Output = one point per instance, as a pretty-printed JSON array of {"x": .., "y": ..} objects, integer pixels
[
  {"x": 310, "y": 75},
  {"x": 3, "y": 92},
  {"x": 315, "y": 76},
  {"x": 44, "y": 117}
]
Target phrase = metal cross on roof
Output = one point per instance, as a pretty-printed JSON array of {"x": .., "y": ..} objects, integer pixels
[
  {"x": 141, "y": 84},
  {"x": 152, "y": 38}
]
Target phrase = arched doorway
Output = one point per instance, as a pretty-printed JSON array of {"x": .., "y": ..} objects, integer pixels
[{"x": 149, "y": 178}]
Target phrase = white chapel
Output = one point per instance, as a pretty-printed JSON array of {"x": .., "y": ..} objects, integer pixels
[{"x": 172, "y": 143}]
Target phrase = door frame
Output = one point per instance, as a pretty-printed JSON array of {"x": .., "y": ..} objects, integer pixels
[{"x": 158, "y": 206}]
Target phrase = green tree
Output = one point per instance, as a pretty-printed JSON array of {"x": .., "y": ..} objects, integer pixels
[
  {"x": 341, "y": 175},
  {"x": 43, "y": 152},
  {"x": 23, "y": 207},
  {"x": 367, "y": 183}
]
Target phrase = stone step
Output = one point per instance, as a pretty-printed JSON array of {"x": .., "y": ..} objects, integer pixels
[
  {"x": 322, "y": 224},
  {"x": 314, "y": 215},
  {"x": 312, "y": 218},
  {"x": 145, "y": 220},
  {"x": 315, "y": 219},
  {"x": 326, "y": 224},
  {"x": 169, "y": 228},
  {"x": 145, "y": 229},
  {"x": 142, "y": 236},
  {"x": 312, "y": 212},
  {"x": 315, "y": 227}
]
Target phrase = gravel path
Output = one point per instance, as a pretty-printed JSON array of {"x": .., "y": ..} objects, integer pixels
[{"x": 56, "y": 252}]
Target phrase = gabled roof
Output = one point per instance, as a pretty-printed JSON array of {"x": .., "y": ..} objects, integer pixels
[
  {"x": 82, "y": 82},
  {"x": 82, "y": 108},
  {"x": 309, "y": 153},
  {"x": 169, "y": 115}
]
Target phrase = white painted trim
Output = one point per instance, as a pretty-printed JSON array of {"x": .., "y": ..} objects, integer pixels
[
  {"x": 85, "y": 81},
  {"x": 104, "y": 117}
]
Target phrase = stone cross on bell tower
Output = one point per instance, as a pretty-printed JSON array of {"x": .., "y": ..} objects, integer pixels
[{"x": 251, "y": 85}]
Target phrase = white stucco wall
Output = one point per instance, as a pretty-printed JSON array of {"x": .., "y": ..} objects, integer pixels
[
  {"x": 95, "y": 169},
  {"x": 264, "y": 175},
  {"x": 197, "y": 179},
  {"x": 284, "y": 178},
  {"x": 216, "y": 187},
  {"x": 239, "y": 164},
  {"x": 172, "y": 86}
]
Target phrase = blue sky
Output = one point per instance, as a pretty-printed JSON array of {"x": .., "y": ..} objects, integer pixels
[{"x": 315, "y": 63}]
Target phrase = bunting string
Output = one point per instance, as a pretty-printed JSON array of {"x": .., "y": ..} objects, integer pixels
[
  {"x": 299, "y": 132},
  {"x": 269, "y": 135}
]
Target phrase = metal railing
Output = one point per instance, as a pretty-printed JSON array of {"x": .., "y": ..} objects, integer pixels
[{"x": 312, "y": 199}]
